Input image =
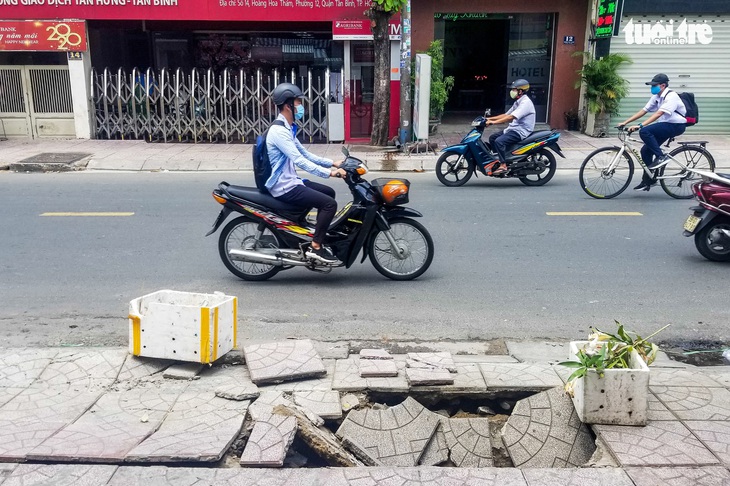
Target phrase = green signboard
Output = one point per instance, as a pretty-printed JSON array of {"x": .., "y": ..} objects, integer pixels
[{"x": 609, "y": 18}]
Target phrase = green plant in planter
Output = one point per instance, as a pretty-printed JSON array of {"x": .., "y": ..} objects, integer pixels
[
  {"x": 605, "y": 88},
  {"x": 440, "y": 86},
  {"x": 608, "y": 351}
]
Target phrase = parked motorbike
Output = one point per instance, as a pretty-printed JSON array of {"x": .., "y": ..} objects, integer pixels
[
  {"x": 529, "y": 160},
  {"x": 271, "y": 235},
  {"x": 710, "y": 221}
]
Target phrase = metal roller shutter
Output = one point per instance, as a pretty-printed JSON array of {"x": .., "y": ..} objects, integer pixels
[{"x": 701, "y": 68}]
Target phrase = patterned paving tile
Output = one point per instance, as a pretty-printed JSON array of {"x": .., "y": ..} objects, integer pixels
[
  {"x": 20, "y": 367},
  {"x": 396, "y": 436},
  {"x": 375, "y": 354},
  {"x": 663, "y": 443},
  {"x": 430, "y": 376},
  {"x": 435, "y": 360},
  {"x": 7, "y": 394},
  {"x": 679, "y": 377},
  {"x": 83, "y": 366},
  {"x": 544, "y": 431},
  {"x": 657, "y": 410},
  {"x": 116, "y": 423},
  {"x": 469, "y": 441},
  {"x": 468, "y": 379},
  {"x": 264, "y": 405},
  {"x": 326, "y": 404},
  {"x": 484, "y": 358},
  {"x": 436, "y": 452},
  {"x": 322, "y": 383},
  {"x": 137, "y": 368},
  {"x": 576, "y": 477},
  {"x": 200, "y": 427},
  {"x": 347, "y": 378},
  {"x": 695, "y": 403},
  {"x": 283, "y": 361},
  {"x": 430, "y": 476},
  {"x": 217, "y": 376},
  {"x": 534, "y": 376},
  {"x": 376, "y": 368},
  {"x": 59, "y": 475},
  {"x": 269, "y": 441},
  {"x": 715, "y": 435},
  {"x": 679, "y": 476},
  {"x": 720, "y": 374},
  {"x": 172, "y": 476}
]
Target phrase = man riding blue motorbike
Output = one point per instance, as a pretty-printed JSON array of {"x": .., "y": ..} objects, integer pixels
[{"x": 521, "y": 119}]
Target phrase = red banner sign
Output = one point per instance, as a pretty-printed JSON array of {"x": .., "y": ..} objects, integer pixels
[
  {"x": 228, "y": 10},
  {"x": 33, "y": 35}
]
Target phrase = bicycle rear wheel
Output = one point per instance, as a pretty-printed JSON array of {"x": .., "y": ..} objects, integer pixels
[
  {"x": 598, "y": 181},
  {"x": 677, "y": 181}
]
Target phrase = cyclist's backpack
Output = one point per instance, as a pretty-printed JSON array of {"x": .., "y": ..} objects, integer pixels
[
  {"x": 261, "y": 163},
  {"x": 693, "y": 112}
]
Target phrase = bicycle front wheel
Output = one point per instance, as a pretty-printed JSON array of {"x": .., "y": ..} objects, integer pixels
[
  {"x": 604, "y": 174},
  {"x": 675, "y": 180}
]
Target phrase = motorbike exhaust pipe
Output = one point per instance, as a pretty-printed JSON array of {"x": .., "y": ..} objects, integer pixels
[{"x": 252, "y": 256}]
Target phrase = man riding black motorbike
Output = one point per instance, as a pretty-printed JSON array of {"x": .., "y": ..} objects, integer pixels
[{"x": 521, "y": 119}]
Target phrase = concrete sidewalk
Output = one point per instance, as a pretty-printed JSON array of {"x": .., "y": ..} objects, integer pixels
[
  {"x": 138, "y": 155},
  {"x": 64, "y": 409}
]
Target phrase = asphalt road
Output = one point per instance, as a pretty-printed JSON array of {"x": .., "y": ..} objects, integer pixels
[{"x": 503, "y": 267}]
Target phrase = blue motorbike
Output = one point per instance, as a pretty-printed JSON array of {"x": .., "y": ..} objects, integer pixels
[{"x": 529, "y": 160}]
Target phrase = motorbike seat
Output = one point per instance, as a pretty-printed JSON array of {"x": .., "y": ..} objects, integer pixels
[
  {"x": 535, "y": 136},
  {"x": 255, "y": 196}
]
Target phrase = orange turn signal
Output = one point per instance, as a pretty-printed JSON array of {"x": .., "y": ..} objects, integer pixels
[
  {"x": 361, "y": 170},
  {"x": 219, "y": 198}
]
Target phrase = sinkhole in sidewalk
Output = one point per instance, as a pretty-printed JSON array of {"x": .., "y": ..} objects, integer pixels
[{"x": 698, "y": 352}]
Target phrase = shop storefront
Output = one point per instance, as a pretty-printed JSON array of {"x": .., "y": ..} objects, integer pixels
[{"x": 489, "y": 44}]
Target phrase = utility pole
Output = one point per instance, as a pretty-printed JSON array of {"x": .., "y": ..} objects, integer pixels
[{"x": 406, "y": 107}]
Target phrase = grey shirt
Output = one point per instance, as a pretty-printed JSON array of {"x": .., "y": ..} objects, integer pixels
[{"x": 524, "y": 112}]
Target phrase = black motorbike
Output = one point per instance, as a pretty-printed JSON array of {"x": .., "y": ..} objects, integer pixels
[
  {"x": 529, "y": 160},
  {"x": 271, "y": 235}
]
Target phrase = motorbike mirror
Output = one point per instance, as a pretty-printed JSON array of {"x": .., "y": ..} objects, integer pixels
[
  {"x": 487, "y": 112},
  {"x": 345, "y": 152}
]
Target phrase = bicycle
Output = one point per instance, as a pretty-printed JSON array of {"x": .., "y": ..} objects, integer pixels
[{"x": 611, "y": 168}]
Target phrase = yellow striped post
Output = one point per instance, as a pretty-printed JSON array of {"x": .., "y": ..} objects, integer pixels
[
  {"x": 215, "y": 333},
  {"x": 235, "y": 322},
  {"x": 205, "y": 334},
  {"x": 136, "y": 334}
]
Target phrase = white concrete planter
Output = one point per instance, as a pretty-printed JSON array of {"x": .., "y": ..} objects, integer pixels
[
  {"x": 621, "y": 397},
  {"x": 183, "y": 326}
]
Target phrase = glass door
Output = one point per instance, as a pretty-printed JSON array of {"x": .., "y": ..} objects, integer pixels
[{"x": 362, "y": 89}]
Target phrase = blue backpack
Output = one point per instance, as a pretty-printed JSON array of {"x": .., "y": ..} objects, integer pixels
[{"x": 261, "y": 163}]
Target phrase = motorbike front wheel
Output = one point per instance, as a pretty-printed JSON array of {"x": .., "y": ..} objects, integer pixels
[
  {"x": 241, "y": 234},
  {"x": 453, "y": 169},
  {"x": 414, "y": 244},
  {"x": 547, "y": 158},
  {"x": 713, "y": 241}
]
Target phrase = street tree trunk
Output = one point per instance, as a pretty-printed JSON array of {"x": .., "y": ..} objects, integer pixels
[{"x": 381, "y": 102}]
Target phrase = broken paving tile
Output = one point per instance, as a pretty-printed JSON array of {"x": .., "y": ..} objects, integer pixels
[
  {"x": 332, "y": 350},
  {"x": 537, "y": 351},
  {"x": 432, "y": 376},
  {"x": 170, "y": 476},
  {"x": 325, "y": 404},
  {"x": 531, "y": 376},
  {"x": 265, "y": 403},
  {"x": 437, "y": 452},
  {"x": 269, "y": 441},
  {"x": 218, "y": 376},
  {"x": 377, "y": 368},
  {"x": 283, "y": 361},
  {"x": 347, "y": 378},
  {"x": 468, "y": 379},
  {"x": 397, "y": 436},
  {"x": 469, "y": 441},
  {"x": 349, "y": 401},
  {"x": 679, "y": 377},
  {"x": 375, "y": 354},
  {"x": 322, "y": 383},
  {"x": 137, "y": 368},
  {"x": 83, "y": 367},
  {"x": 200, "y": 427},
  {"x": 434, "y": 360},
  {"x": 665, "y": 443},
  {"x": 544, "y": 431},
  {"x": 182, "y": 371},
  {"x": 21, "y": 367},
  {"x": 59, "y": 475},
  {"x": 679, "y": 476},
  {"x": 483, "y": 358},
  {"x": 695, "y": 403},
  {"x": 371, "y": 476},
  {"x": 714, "y": 435},
  {"x": 577, "y": 477},
  {"x": 238, "y": 392}
]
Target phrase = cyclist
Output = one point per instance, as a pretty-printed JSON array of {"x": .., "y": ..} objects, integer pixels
[
  {"x": 521, "y": 119},
  {"x": 667, "y": 121},
  {"x": 285, "y": 154}
]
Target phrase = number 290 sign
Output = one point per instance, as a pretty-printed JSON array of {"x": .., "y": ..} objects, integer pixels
[{"x": 34, "y": 35}]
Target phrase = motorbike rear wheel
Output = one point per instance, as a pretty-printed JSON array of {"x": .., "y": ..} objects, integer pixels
[
  {"x": 713, "y": 241},
  {"x": 240, "y": 234},
  {"x": 453, "y": 170},
  {"x": 415, "y": 244},
  {"x": 547, "y": 158}
]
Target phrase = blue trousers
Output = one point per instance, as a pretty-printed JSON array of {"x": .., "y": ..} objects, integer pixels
[
  {"x": 499, "y": 141},
  {"x": 653, "y": 136}
]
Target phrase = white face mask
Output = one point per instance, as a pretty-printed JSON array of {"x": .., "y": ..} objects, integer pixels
[{"x": 513, "y": 94}]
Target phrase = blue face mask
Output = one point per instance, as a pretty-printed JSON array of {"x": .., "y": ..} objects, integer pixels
[
  {"x": 656, "y": 89},
  {"x": 299, "y": 114}
]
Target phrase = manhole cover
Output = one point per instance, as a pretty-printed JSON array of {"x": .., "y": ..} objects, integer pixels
[{"x": 55, "y": 158}]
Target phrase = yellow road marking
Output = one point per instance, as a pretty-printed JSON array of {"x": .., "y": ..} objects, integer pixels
[
  {"x": 87, "y": 214},
  {"x": 593, "y": 213}
]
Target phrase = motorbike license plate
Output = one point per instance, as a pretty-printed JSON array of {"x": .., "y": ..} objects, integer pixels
[{"x": 691, "y": 223}]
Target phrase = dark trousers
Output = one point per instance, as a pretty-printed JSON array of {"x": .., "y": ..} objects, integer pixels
[
  {"x": 499, "y": 141},
  {"x": 653, "y": 136},
  {"x": 314, "y": 195}
]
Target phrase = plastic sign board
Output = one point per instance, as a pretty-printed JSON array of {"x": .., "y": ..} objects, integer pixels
[
  {"x": 422, "y": 97},
  {"x": 35, "y": 35},
  {"x": 360, "y": 29},
  {"x": 609, "y": 18}
]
